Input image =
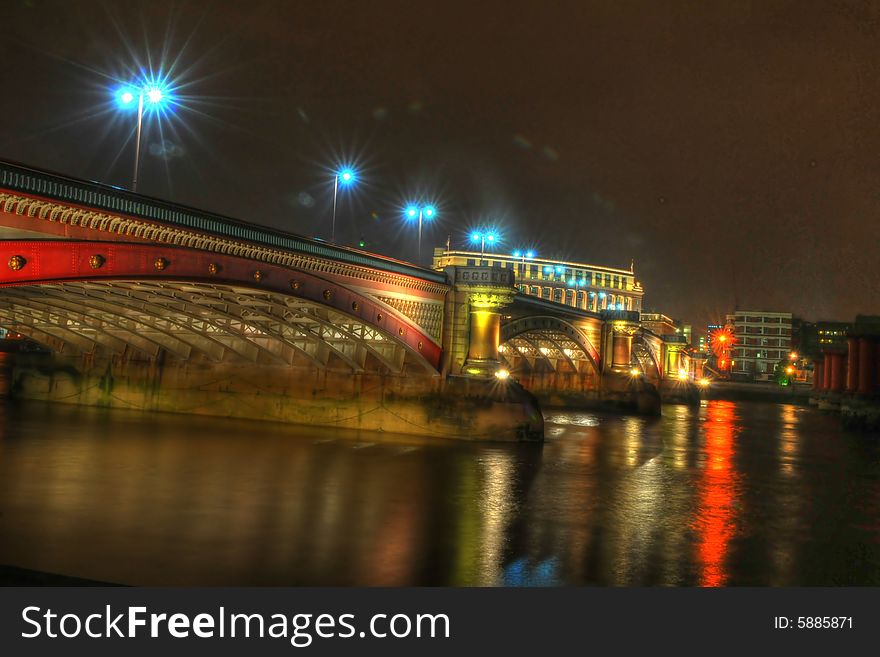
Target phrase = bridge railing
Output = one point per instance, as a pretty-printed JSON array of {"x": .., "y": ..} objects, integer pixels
[
  {"x": 114, "y": 199},
  {"x": 626, "y": 315}
]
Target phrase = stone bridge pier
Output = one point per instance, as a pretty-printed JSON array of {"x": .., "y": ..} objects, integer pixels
[
  {"x": 625, "y": 383},
  {"x": 470, "y": 366}
]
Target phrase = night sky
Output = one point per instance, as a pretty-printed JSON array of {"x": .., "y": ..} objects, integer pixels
[{"x": 732, "y": 149}]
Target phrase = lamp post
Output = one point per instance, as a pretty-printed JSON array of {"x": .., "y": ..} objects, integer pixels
[
  {"x": 154, "y": 95},
  {"x": 483, "y": 237},
  {"x": 345, "y": 176},
  {"x": 422, "y": 212},
  {"x": 523, "y": 255}
]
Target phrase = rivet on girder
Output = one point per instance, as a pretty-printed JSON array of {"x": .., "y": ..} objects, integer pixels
[{"x": 17, "y": 262}]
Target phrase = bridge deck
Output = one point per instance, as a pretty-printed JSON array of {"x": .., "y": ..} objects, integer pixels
[{"x": 16, "y": 177}]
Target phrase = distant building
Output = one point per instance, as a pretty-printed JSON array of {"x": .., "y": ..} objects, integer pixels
[
  {"x": 579, "y": 284},
  {"x": 704, "y": 342},
  {"x": 816, "y": 337},
  {"x": 664, "y": 325},
  {"x": 763, "y": 338},
  {"x": 660, "y": 324},
  {"x": 688, "y": 332}
]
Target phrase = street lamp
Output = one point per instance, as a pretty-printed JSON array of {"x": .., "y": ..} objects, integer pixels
[
  {"x": 421, "y": 212},
  {"x": 524, "y": 255},
  {"x": 482, "y": 238},
  {"x": 154, "y": 95},
  {"x": 346, "y": 176}
]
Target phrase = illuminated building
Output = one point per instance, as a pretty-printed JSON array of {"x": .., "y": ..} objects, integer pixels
[
  {"x": 578, "y": 284},
  {"x": 816, "y": 337},
  {"x": 763, "y": 339},
  {"x": 704, "y": 343},
  {"x": 660, "y": 324}
]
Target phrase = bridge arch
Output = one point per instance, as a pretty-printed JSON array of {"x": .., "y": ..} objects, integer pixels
[
  {"x": 75, "y": 296},
  {"x": 548, "y": 338},
  {"x": 644, "y": 354}
]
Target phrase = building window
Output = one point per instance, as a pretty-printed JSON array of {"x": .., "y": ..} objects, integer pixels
[
  {"x": 607, "y": 280},
  {"x": 617, "y": 281},
  {"x": 557, "y": 295},
  {"x": 472, "y": 262},
  {"x": 535, "y": 291},
  {"x": 533, "y": 271}
]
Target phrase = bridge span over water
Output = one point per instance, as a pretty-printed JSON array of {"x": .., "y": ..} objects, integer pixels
[{"x": 150, "y": 305}]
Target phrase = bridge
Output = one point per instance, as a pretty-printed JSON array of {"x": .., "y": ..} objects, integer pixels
[{"x": 150, "y": 305}]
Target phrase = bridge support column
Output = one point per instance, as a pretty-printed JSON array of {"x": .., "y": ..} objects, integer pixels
[
  {"x": 676, "y": 385},
  {"x": 485, "y": 336},
  {"x": 622, "y": 332},
  {"x": 866, "y": 366},
  {"x": 818, "y": 375},
  {"x": 622, "y": 351},
  {"x": 837, "y": 372},
  {"x": 826, "y": 370},
  {"x": 852, "y": 364},
  {"x": 488, "y": 290},
  {"x": 674, "y": 360}
]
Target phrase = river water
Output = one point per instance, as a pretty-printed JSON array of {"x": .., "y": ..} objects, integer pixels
[{"x": 725, "y": 494}]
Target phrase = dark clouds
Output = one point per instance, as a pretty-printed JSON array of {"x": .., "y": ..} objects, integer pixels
[{"x": 731, "y": 149}]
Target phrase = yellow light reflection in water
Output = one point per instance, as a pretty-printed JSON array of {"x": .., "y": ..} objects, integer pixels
[
  {"x": 715, "y": 523},
  {"x": 788, "y": 440}
]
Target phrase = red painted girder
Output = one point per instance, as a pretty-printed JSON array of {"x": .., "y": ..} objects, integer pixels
[{"x": 56, "y": 261}]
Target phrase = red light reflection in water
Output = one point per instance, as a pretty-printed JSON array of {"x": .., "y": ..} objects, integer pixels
[{"x": 715, "y": 523}]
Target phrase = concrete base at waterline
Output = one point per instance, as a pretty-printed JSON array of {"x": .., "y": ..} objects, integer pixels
[
  {"x": 676, "y": 391},
  {"x": 860, "y": 412},
  {"x": 457, "y": 407},
  {"x": 623, "y": 392}
]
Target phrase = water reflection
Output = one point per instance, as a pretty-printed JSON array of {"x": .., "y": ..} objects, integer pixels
[
  {"x": 715, "y": 517},
  {"x": 724, "y": 494}
]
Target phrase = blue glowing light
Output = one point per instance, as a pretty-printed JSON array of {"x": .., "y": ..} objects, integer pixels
[
  {"x": 475, "y": 237},
  {"x": 530, "y": 254},
  {"x": 601, "y": 295},
  {"x": 151, "y": 93},
  {"x": 620, "y": 306},
  {"x": 411, "y": 212},
  {"x": 517, "y": 254},
  {"x": 548, "y": 269},
  {"x": 346, "y": 176},
  {"x": 592, "y": 294},
  {"x": 429, "y": 211},
  {"x": 559, "y": 269},
  {"x": 490, "y": 237},
  {"x": 155, "y": 95},
  {"x": 125, "y": 97}
]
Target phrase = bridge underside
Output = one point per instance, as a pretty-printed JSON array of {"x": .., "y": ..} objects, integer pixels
[
  {"x": 192, "y": 321},
  {"x": 542, "y": 349}
]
